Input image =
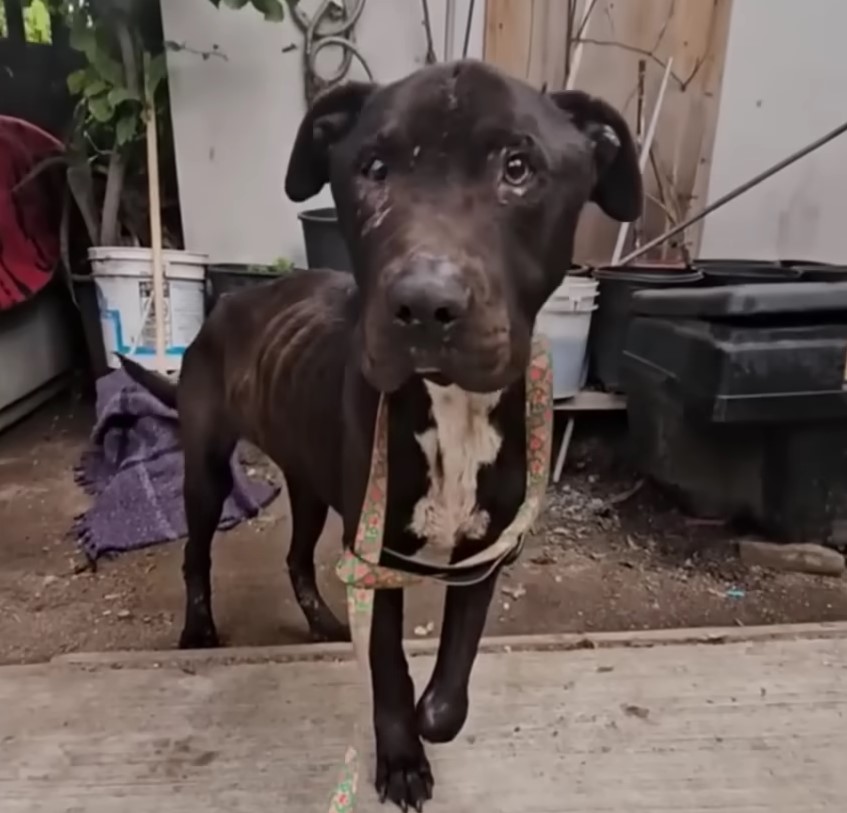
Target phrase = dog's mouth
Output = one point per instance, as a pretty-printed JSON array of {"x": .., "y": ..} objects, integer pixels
[{"x": 482, "y": 370}]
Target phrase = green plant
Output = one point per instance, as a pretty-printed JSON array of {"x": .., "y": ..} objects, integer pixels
[
  {"x": 281, "y": 265},
  {"x": 116, "y": 88},
  {"x": 36, "y": 21}
]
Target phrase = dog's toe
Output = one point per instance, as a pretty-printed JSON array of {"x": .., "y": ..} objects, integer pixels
[{"x": 406, "y": 782}]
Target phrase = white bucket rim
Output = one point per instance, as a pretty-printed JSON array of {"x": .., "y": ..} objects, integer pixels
[
  {"x": 572, "y": 290},
  {"x": 569, "y": 311},
  {"x": 565, "y": 300},
  {"x": 135, "y": 263},
  {"x": 140, "y": 253}
]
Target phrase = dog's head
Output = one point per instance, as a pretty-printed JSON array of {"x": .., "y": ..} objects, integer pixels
[{"x": 458, "y": 191}]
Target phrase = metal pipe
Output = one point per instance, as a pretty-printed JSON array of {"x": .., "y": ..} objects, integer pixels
[
  {"x": 468, "y": 25},
  {"x": 740, "y": 190}
]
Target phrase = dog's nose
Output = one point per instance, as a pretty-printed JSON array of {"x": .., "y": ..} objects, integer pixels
[{"x": 430, "y": 295}]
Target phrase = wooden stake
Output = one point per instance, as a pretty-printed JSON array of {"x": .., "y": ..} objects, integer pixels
[
  {"x": 576, "y": 57},
  {"x": 644, "y": 155},
  {"x": 155, "y": 226}
]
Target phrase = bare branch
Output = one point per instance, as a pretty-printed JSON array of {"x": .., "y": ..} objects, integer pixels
[{"x": 635, "y": 50}]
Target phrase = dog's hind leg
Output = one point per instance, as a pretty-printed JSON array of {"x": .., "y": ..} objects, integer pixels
[
  {"x": 308, "y": 515},
  {"x": 208, "y": 448}
]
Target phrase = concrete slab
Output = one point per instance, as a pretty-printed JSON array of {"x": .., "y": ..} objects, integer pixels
[{"x": 673, "y": 723}]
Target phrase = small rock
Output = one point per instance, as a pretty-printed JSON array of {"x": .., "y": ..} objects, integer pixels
[
  {"x": 515, "y": 592},
  {"x": 422, "y": 630},
  {"x": 800, "y": 558},
  {"x": 506, "y": 606},
  {"x": 636, "y": 711},
  {"x": 48, "y": 580},
  {"x": 111, "y": 597},
  {"x": 124, "y": 614}
]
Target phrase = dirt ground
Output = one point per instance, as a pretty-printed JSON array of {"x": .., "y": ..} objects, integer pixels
[{"x": 607, "y": 555}]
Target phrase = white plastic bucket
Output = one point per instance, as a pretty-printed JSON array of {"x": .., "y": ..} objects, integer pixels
[
  {"x": 565, "y": 320},
  {"x": 123, "y": 278}
]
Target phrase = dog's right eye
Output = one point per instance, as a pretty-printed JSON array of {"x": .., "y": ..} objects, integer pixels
[{"x": 375, "y": 169}]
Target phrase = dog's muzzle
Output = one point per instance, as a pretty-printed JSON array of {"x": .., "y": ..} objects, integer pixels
[
  {"x": 429, "y": 320},
  {"x": 428, "y": 303}
]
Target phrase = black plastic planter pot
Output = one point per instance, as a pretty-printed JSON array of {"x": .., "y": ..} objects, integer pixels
[
  {"x": 325, "y": 246},
  {"x": 720, "y": 262},
  {"x": 801, "y": 264},
  {"x": 224, "y": 279},
  {"x": 610, "y": 323},
  {"x": 734, "y": 272}
]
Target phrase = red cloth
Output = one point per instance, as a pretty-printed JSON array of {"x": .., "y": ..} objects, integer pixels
[{"x": 30, "y": 213}]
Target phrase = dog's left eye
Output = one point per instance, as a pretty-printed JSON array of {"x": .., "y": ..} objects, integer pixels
[
  {"x": 517, "y": 169},
  {"x": 375, "y": 169}
]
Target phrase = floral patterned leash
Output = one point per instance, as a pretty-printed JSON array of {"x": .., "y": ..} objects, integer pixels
[{"x": 361, "y": 571}]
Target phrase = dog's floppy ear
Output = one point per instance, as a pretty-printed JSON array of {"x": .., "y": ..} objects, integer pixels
[
  {"x": 329, "y": 119},
  {"x": 618, "y": 191}
]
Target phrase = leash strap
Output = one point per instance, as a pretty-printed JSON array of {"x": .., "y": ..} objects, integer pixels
[{"x": 369, "y": 566}]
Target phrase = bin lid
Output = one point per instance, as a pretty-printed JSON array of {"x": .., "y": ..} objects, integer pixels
[{"x": 743, "y": 300}]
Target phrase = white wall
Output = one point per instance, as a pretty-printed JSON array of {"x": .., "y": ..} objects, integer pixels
[
  {"x": 235, "y": 115},
  {"x": 784, "y": 86}
]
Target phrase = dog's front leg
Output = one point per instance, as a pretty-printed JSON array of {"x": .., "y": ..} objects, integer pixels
[
  {"x": 403, "y": 774},
  {"x": 443, "y": 707}
]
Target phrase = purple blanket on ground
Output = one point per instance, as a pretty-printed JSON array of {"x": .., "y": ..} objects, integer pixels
[{"x": 134, "y": 470}]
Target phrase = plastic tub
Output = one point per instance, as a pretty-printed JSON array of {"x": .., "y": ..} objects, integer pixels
[
  {"x": 565, "y": 320},
  {"x": 614, "y": 312},
  {"x": 123, "y": 278},
  {"x": 325, "y": 246}
]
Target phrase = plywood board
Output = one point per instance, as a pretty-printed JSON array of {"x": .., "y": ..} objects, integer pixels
[{"x": 742, "y": 726}]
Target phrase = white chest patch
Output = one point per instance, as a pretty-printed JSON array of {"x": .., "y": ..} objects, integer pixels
[{"x": 461, "y": 442}]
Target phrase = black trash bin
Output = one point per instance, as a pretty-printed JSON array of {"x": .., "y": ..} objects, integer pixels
[
  {"x": 736, "y": 402},
  {"x": 325, "y": 245},
  {"x": 610, "y": 321}
]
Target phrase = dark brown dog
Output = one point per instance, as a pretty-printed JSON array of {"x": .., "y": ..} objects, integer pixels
[{"x": 459, "y": 191}]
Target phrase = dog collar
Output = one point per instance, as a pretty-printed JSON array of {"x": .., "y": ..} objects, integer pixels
[{"x": 369, "y": 566}]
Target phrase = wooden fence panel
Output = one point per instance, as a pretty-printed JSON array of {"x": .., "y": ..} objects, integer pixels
[{"x": 528, "y": 38}]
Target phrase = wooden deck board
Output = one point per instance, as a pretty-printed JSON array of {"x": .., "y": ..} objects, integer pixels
[{"x": 742, "y": 726}]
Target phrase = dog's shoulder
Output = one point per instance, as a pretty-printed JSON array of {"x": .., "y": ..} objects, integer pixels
[{"x": 306, "y": 304}]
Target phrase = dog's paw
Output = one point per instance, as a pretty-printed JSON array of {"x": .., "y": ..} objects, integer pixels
[
  {"x": 404, "y": 778},
  {"x": 205, "y": 637},
  {"x": 441, "y": 715}
]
